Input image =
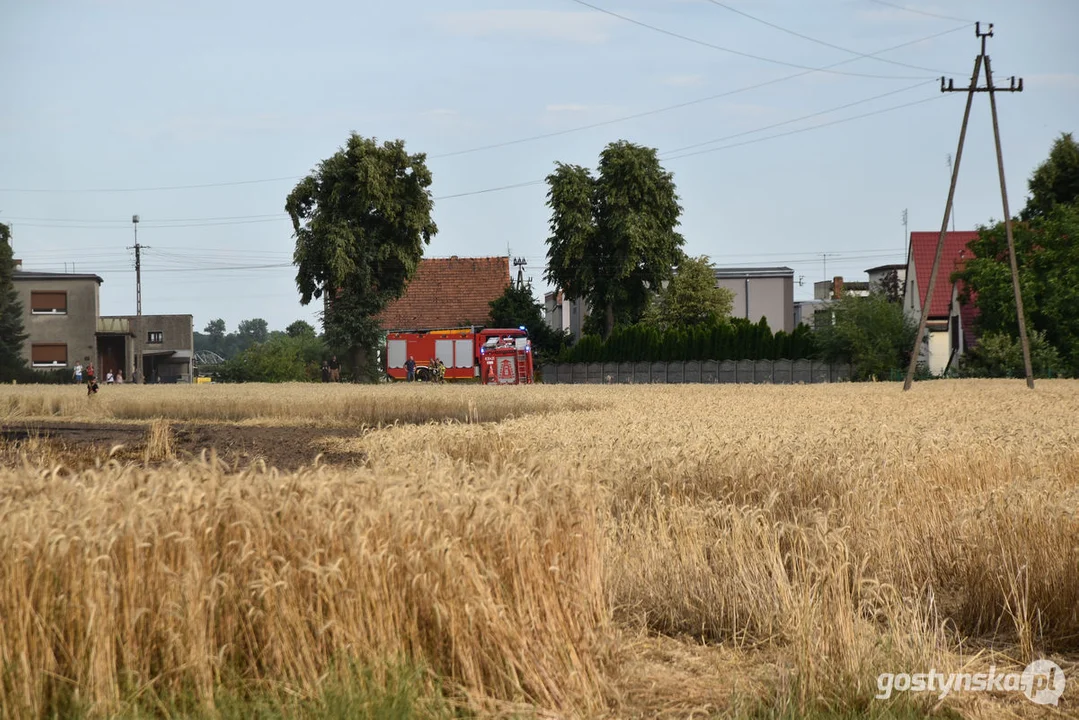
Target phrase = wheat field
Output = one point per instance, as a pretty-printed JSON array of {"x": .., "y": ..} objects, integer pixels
[{"x": 589, "y": 551}]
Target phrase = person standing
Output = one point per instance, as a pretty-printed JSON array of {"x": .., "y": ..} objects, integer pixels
[
  {"x": 325, "y": 371},
  {"x": 91, "y": 381},
  {"x": 335, "y": 369},
  {"x": 410, "y": 366},
  {"x": 119, "y": 377},
  {"x": 109, "y": 378},
  {"x": 78, "y": 373}
]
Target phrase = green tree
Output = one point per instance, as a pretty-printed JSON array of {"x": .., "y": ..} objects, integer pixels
[
  {"x": 300, "y": 328},
  {"x": 1047, "y": 255},
  {"x": 361, "y": 221},
  {"x": 253, "y": 331},
  {"x": 1056, "y": 181},
  {"x": 1001, "y": 355},
  {"x": 691, "y": 298},
  {"x": 516, "y": 307},
  {"x": 12, "y": 331},
  {"x": 280, "y": 359},
  {"x": 613, "y": 238},
  {"x": 215, "y": 329},
  {"x": 872, "y": 333}
]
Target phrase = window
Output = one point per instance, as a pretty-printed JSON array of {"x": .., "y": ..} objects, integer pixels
[
  {"x": 48, "y": 355},
  {"x": 155, "y": 337},
  {"x": 48, "y": 302}
]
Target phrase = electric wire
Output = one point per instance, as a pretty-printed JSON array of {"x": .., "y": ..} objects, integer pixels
[
  {"x": 825, "y": 43},
  {"x": 752, "y": 56},
  {"x": 919, "y": 12}
]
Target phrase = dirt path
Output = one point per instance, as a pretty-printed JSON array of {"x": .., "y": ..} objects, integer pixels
[{"x": 286, "y": 448}]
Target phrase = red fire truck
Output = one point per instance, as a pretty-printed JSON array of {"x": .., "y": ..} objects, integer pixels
[{"x": 469, "y": 353}]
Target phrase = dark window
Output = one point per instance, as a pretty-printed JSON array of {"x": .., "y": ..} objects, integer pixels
[
  {"x": 48, "y": 302},
  {"x": 955, "y": 333},
  {"x": 48, "y": 355},
  {"x": 155, "y": 338}
]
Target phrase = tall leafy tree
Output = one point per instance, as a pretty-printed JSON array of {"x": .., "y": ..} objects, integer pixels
[
  {"x": 215, "y": 329},
  {"x": 12, "y": 331},
  {"x": 690, "y": 298},
  {"x": 300, "y": 328},
  {"x": 1056, "y": 181},
  {"x": 361, "y": 220},
  {"x": 1047, "y": 255},
  {"x": 872, "y": 333},
  {"x": 613, "y": 239},
  {"x": 255, "y": 330}
]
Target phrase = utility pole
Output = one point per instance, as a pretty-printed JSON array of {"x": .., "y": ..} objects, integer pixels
[
  {"x": 138, "y": 300},
  {"x": 520, "y": 263},
  {"x": 824, "y": 259},
  {"x": 949, "y": 161},
  {"x": 981, "y": 59},
  {"x": 1007, "y": 214},
  {"x": 906, "y": 232}
]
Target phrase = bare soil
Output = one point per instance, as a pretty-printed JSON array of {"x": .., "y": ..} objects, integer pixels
[{"x": 286, "y": 448}]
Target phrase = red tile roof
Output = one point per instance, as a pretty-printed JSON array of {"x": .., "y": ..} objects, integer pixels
[
  {"x": 923, "y": 247},
  {"x": 449, "y": 292}
]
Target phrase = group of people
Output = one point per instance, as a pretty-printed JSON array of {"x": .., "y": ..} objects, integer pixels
[
  {"x": 90, "y": 374},
  {"x": 436, "y": 369},
  {"x": 331, "y": 370}
]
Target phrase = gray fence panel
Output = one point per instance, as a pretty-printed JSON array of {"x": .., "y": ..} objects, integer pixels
[
  {"x": 550, "y": 373},
  {"x": 658, "y": 372},
  {"x": 642, "y": 372},
  {"x": 709, "y": 371},
  {"x": 580, "y": 373},
  {"x": 762, "y": 372},
  {"x": 727, "y": 371},
  {"x": 821, "y": 372},
  {"x": 625, "y": 372},
  {"x": 692, "y": 371},
  {"x": 676, "y": 372},
  {"x": 744, "y": 371},
  {"x": 801, "y": 372},
  {"x": 565, "y": 374},
  {"x": 781, "y": 372},
  {"x": 594, "y": 373},
  {"x": 841, "y": 372}
]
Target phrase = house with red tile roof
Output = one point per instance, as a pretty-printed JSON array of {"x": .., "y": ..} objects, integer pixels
[
  {"x": 950, "y": 325},
  {"x": 448, "y": 293}
]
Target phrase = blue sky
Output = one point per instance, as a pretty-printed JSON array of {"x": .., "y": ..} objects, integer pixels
[{"x": 106, "y": 102}]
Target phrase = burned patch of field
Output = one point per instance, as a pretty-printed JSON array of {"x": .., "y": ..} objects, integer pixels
[{"x": 80, "y": 445}]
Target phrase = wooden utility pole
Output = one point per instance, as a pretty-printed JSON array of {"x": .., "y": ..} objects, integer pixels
[
  {"x": 981, "y": 59},
  {"x": 1007, "y": 213}
]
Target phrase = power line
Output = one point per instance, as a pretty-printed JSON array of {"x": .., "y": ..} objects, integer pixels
[
  {"x": 491, "y": 146},
  {"x": 752, "y": 56},
  {"x": 542, "y": 181},
  {"x": 794, "y": 120},
  {"x": 920, "y": 12},
  {"x": 802, "y": 130},
  {"x": 688, "y": 103},
  {"x": 819, "y": 41}
]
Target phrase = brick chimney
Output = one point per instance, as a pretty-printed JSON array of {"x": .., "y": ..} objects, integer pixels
[{"x": 837, "y": 287}]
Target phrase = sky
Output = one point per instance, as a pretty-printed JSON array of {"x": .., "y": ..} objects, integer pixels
[{"x": 201, "y": 116}]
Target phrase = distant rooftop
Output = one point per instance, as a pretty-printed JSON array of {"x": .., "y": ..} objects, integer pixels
[
  {"x": 34, "y": 275},
  {"x": 741, "y": 272},
  {"x": 885, "y": 268}
]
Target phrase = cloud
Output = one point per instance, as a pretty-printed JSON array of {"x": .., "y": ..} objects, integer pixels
[
  {"x": 580, "y": 27},
  {"x": 683, "y": 80}
]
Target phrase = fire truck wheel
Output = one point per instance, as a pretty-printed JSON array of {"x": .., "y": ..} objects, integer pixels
[{"x": 423, "y": 374}]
